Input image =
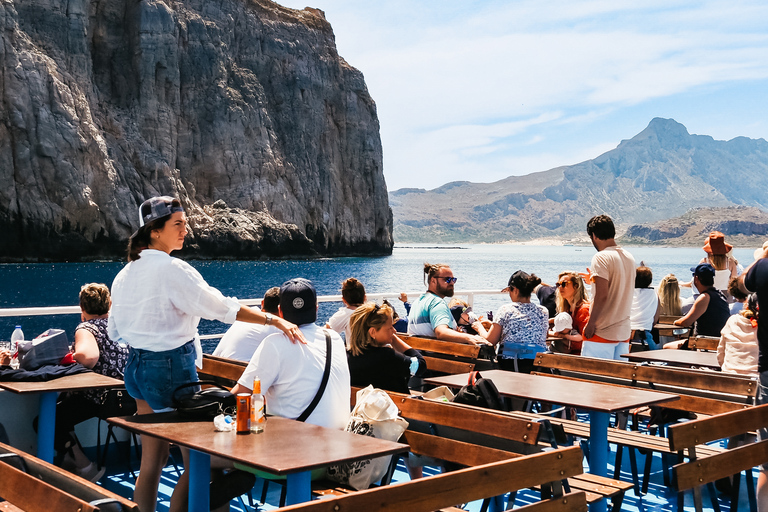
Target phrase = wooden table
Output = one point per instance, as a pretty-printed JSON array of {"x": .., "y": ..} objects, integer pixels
[
  {"x": 48, "y": 390},
  {"x": 681, "y": 358},
  {"x": 668, "y": 329},
  {"x": 286, "y": 447},
  {"x": 599, "y": 399}
]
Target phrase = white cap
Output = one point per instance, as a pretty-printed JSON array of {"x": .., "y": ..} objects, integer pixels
[{"x": 563, "y": 321}]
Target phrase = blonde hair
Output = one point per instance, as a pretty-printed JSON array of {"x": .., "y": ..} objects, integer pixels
[
  {"x": 669, "y": 296},
  {"x": 579, "y": 292},
  {"x": 363, "y": 318}
]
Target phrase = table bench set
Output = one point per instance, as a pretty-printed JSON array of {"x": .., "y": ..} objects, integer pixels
[{"x": 502, "y": 449}]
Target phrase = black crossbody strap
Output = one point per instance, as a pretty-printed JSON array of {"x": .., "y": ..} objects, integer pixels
[{"x": 323, "y": 383}]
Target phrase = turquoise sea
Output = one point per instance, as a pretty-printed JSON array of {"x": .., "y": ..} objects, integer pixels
[{"x": 478, "y": 267}]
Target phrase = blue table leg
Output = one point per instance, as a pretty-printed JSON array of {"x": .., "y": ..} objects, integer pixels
[
  {"x": 497, "y": 504},
  {"x": 199, "y": 481},
  {"x": 598, "y": 451},
  {"x": 299, "y": 488},
  {"x": 46, "y": 425}
]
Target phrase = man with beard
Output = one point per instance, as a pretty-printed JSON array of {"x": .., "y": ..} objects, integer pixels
[{"x": 430, "y": 315}]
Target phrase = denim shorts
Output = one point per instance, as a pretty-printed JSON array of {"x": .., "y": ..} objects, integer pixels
[
  {"x": 762, "y": 398},
  {"x": 153, "y": 376}
]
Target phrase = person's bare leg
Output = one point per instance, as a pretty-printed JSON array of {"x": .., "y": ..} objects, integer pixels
[
  {"x": 762, "y": 491},
  {"x": 180, "y": 496},
  {"x": 154, "y": 455}
]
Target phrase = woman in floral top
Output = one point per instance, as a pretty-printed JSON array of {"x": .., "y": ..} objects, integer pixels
[
  {"x": 95, "y": 350},
  {"x": 520, "y": 328}
]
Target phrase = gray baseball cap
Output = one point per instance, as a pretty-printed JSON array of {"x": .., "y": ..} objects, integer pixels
[{"x": 156, "y": 208}]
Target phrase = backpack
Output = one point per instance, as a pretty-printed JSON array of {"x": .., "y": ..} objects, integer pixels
[{"x": 480, "y": 392}]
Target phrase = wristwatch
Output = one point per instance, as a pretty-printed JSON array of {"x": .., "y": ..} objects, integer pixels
[{"x": 268, "y": 320}]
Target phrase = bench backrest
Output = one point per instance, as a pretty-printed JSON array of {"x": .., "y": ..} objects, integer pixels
[
  {"x": 441, "y": 347},
  {"x": 465, "y": 485},
  {"x": 703, "y": 343},
  {"x": 222, "y": 369},
  {"x": 44, "y": 487},
  {"x": 700, "y": 391},
  {"x": 686, "y": 436}
]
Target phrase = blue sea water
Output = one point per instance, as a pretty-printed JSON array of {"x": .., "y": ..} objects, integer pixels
[{"x": 485, "y": 267}]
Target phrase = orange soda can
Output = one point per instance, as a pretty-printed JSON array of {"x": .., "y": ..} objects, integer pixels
[{"x": 243, "y": 413}]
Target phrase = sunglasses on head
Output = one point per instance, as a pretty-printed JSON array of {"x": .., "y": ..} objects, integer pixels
[{"x": 448, "y": 280}]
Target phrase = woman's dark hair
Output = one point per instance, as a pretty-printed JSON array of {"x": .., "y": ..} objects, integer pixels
[
  {"x": 735, "y": 290},
  {"x": 353, "y": 291},
  {"x": 140, "y": 240},
  {"x": 524, "y": 282},
  {"x": 95, "y": 299},
  {"x": 643, "y": 277}
]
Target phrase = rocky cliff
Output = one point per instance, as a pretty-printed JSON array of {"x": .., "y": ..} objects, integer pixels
[
  {"x": 661, "y": 172},
  {"x": 241, "y": 103}
]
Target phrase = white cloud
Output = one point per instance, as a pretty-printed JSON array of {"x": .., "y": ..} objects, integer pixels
[{"x": 488, "y": 88}]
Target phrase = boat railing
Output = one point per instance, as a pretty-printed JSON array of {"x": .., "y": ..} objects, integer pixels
[{"x": 378, "y": 297}]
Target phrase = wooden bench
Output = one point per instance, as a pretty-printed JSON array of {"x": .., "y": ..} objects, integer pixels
[
  {"x": 701, "y": 393},
  {"x": 480, "y": 482},
  {"x": 703, "y": 342},
  {"x": 686, "y": 438},
  {"x": 444, "y": 357},
  {"x": 32, "y": 485},
  {"x": 469, "y": 435},
  {"x": 222, "y": 370}
]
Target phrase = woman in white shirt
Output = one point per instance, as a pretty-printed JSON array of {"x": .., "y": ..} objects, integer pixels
[{"x": 157, "y": 302}]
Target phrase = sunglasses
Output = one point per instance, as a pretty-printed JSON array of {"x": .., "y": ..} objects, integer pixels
[
  {"x": 448, "y": 280},
  {"x": 562, "y": 284}
]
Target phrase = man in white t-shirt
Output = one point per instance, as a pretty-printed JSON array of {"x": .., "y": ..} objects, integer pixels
[
  {"x": 607, "y": 332},
  {"x": 291, "y": 373},
  {"x": 242, "y": 339}
]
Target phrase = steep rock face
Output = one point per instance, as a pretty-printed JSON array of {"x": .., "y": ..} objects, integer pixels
[{"x": 107, "y": 102}]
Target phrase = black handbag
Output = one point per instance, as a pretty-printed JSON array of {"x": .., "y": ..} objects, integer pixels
[
  {"x": 204, "y": 404},
  {"x": 480, "y": 392}
]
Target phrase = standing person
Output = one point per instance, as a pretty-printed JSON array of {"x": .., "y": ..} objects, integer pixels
[
  {"x": 755, "y": 279},
  {"x": 242, "y": 339},
  {"x": 157, "y": 302},
  {"x": 607, "y": 332},
  {"x": 430, "y": 315},
  {"x": 376, "y": 355},
  {"x": 520, "y": 328},
  {"x": 571, "y": 298},
  {"x": 352, "y": 295}
]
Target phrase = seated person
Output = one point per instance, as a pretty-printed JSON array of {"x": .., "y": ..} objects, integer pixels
[
  {"x": 94, "y": 349},
  {"x": 562, "y": 327},
  {"x": 547, "y": 296},
  {"x": 710, "y": 311},
  {"x": 430, "y": 315},
  {"x": 645, "y": 307},
  {"x": 291, "y": 372},
  {"x": 352, "y": 295},
  {"x": 738, "y": 351},
  {"x": 376, "y": 355},
  {"x": 243, "y": 338},
  {"x": 571, "y": 299},
  {"x": 399, "y": 323},
  {"x": 520, "y": 328},
  {"x": 466, "y": 319}
]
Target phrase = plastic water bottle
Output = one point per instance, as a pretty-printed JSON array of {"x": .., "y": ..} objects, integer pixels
[{"x": 16, "y": 337}]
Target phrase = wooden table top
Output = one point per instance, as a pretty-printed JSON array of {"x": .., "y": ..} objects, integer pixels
[
  {"x": 684, "y": 358},
  {"x": 286, "y": 446},
  {"x": 584, "y": 395},
  {"x": 668, "y": 328},
  {"x": 77, "y": 382}
]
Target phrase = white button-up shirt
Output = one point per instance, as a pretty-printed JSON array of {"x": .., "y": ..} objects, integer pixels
[{"x": 157, "y": 302}]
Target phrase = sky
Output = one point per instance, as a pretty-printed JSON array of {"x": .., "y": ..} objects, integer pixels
[{"x": 481, "y": 90}]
